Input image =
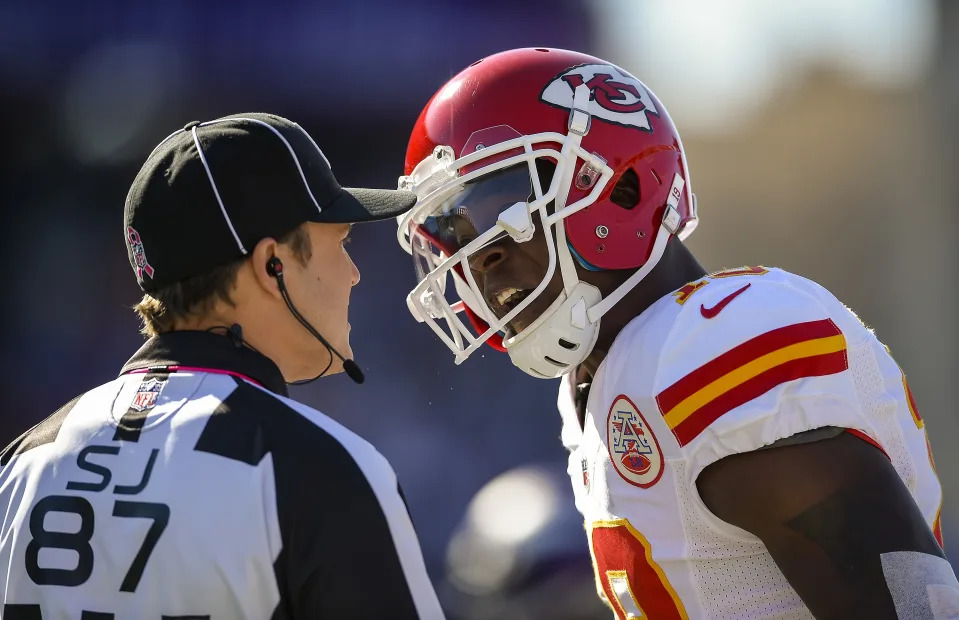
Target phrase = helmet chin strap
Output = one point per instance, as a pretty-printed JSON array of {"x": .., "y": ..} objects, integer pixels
[
  {"x": 662, "y": 238},
  {"x": 564, "y": 335},
  {"x": 669, "y": 226}
]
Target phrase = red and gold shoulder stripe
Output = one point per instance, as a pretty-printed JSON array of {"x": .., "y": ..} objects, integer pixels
[{"x": 811, "y": 349}]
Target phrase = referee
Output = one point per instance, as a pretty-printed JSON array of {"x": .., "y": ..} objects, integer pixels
[{"x": 191, "y": 486}]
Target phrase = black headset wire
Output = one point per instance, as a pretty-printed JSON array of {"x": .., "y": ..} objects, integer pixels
[
  {"x": 306, "y": 324},
  {"x": 275, "y": 268},
  {"x": 235, "y": 334}
]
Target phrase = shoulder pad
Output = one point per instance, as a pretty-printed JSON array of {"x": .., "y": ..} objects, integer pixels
[{"x": 737, "y": 338}]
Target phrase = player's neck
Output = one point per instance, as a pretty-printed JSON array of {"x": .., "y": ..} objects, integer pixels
[{"x": 677, "y": 267}]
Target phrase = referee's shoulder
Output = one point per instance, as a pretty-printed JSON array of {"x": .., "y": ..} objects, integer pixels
[
  {"x": 298, "y": 429},
  {"x": 46, "y": 431}
]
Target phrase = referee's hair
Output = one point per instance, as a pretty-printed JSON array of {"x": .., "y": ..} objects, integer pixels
[{"x": 159, "y": 311}]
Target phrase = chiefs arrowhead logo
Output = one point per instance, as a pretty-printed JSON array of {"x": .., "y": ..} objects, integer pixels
[
  {"x": 615, "y": 96},
  {"x": 633, "y": 448}
]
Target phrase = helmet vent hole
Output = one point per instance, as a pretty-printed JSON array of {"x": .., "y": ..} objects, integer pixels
[
  {"x": 626, "y": 192},
  {"x": 554, "y": 362},
  {"x": 569, "y": 346},
  {"x": 477, "y": 62},
  {"x": 540, "y": 49}
]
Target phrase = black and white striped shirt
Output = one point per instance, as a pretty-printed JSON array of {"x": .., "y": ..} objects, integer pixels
[{"x": 192, "y": 487}]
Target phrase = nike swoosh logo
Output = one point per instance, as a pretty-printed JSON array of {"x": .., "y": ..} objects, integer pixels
[{"x": 709, "y": 313}]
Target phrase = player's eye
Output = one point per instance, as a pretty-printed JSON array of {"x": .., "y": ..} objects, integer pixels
[
  {"x": 460, "y": 227},
  {"x": 347, "y": 241}
]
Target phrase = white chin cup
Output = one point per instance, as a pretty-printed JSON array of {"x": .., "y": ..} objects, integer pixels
[{"x": 560, "y": 338}]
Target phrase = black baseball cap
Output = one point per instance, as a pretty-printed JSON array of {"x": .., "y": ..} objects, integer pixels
[{"x": 212, "y": 190}]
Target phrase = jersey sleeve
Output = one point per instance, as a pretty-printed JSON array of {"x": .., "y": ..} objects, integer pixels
[
  {"x": 349, "y": 548},
  {"x": 772, "y": 364},
  {"x": 571, "y": 433}
]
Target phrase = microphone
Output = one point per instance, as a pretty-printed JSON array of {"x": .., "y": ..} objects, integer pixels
[
  {"x": 274, "y": 267},
  {"x": 352, "y": 370}
]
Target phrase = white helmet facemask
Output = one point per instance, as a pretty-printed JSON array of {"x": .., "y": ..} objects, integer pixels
[{"x": 467, "y": 205}]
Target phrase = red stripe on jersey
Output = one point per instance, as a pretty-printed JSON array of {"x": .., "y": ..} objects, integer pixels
[
  {"x": 912, "y": 403},
  {"x": 741, "y": 355},
  {"x": 937, "y": 529},
  {"x": 815, "y": 366},
  {"x": 867, "y": 439}
]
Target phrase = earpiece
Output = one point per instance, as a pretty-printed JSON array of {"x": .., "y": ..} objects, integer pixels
[{"x": 274, "y": 267}]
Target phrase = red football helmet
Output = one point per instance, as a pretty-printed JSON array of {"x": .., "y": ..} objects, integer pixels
[{"x": 475, "y": 160}]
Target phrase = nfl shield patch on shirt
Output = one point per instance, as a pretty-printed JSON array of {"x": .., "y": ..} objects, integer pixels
[{"x": 146, "y": 395}]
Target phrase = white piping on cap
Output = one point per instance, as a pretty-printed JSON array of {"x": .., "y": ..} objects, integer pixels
[
  {"x": 318, "y": 149},
  {"x": 196, "y": 140},
  {"x": 209, "y": 173},
  {"x": 288, "y": 148}
]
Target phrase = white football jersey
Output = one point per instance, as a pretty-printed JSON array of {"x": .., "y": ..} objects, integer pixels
[
  {"x": 725, "y": 365},
  {"x": 191, "y": 487}
]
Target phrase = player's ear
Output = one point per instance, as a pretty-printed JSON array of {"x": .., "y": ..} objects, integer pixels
[{"x": 262, "y": 252}]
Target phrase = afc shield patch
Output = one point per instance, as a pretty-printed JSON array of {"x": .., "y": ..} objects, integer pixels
[
  {"x": 614, "y": 95},
  {"x": 146, "y": 395},
  {"x": 633, "y": 448}
]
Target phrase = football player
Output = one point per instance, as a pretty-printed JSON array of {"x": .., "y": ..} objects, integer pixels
[{"x": 740, "y": 444}]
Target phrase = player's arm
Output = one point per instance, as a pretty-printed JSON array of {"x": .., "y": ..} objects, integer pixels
[{"x": 835, "y": 517}]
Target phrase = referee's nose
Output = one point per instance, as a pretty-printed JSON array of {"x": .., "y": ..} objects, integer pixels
[{"x": 356, "y": 272}]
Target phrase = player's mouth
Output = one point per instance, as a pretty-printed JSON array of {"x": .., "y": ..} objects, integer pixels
[
  {"x": 504, "y": 300},
  {"x": 508, "y": 298}
]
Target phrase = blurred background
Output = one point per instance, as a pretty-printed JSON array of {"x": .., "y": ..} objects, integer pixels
[{"x": 821, "y": 137}]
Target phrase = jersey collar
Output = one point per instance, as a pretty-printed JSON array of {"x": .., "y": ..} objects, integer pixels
[{"x": 199, "y": 351}]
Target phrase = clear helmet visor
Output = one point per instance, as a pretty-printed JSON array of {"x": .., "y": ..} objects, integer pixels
[
  {"x": 451, "y": 232},
  {"x": 450, "y": 223}
]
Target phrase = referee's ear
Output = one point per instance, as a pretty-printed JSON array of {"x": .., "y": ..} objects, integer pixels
[{"x": 264, "y": 250}]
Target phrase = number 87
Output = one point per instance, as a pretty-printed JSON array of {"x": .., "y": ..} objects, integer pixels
[
  {"x": 79, "y": 541},
  {"x": 627, "y": 577}
]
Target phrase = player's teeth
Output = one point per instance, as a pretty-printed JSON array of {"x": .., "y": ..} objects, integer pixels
[{"x": 505, "y": 294}]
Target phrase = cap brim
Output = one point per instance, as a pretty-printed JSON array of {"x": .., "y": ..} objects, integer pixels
[{"x": 367, "y": 205}]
